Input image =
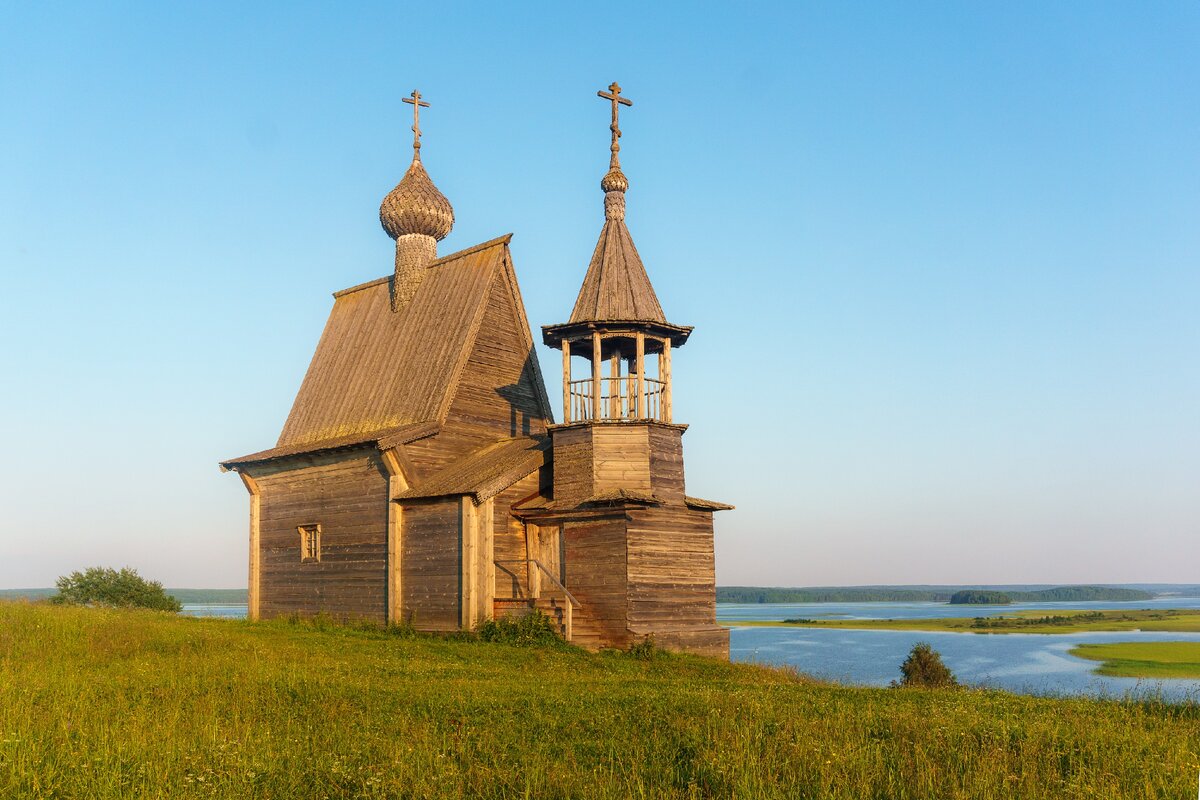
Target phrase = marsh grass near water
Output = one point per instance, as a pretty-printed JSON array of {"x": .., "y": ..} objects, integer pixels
[
  {"x": 1144, "y": 659},
  {"x": 103, "y": 703}
]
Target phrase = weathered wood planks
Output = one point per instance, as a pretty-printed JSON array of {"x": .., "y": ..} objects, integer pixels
[
  {"x": 431, "y": 578},
  {"x": 347, "y": 494}
]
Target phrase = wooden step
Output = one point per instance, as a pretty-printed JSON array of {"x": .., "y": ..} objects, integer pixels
[{"x": 518, "y": 607}]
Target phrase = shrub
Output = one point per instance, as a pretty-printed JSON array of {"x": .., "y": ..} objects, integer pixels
[
  {"x": 645, "y": 650},
  {"x": 534, "y": 628},
  {"x": 924, "y": 668},
  {"x": 101, "y": 586}
]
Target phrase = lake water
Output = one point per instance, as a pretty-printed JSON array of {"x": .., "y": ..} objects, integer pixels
[
  {"x": 1019, "y": 662},
  {"x": 224, "y": 610}
]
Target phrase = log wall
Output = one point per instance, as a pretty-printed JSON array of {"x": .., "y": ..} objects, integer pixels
[
  {"x": 431, "y": 580},
  {"x": 346, "y": 493},
  {"x": 508, "y": 534},
  {"x": 666, "y": 462},
  {"x": 593, "y": 459},
  {"x": 572, "y": 463},
  {"x": 595, "y": 573},
  {"x": 672, "y": 576},
  {"x": 621, "y": 457}
]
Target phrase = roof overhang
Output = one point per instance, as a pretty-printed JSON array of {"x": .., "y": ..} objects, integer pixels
[
  {"x": 382, "y": 440},
  {"x": 553, "y": 335}
]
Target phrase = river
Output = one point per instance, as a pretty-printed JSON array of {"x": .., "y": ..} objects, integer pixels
[{"x": 1019, "y": 662}]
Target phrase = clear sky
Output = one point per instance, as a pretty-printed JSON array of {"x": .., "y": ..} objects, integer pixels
[{"x": 943, "y": 260}]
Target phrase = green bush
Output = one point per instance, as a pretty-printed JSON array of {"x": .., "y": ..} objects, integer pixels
[
  {"x": 103, "y": 586},
  {"x": 924, "y": 668},
  {"x": 645, "y": 650},
  {"x": 534, "y": 628}
]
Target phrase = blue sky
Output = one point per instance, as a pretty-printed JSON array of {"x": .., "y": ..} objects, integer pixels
[{"x": 943, "y": 261}]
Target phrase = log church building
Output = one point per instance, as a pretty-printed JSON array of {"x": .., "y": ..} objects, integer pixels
[{"x": 420, "y": 476}]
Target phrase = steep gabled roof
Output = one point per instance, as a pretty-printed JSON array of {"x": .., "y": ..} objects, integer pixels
[
  {"x": 485, "y": 472},
  {"x": 375, "y": 369},
  {"x": 616, "y": 286}
]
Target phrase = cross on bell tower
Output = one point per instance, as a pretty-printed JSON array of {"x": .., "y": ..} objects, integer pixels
[{"x": 614, "y": 95}]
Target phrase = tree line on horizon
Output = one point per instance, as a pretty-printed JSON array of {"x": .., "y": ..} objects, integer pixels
[{"x": 885, "y": 594}]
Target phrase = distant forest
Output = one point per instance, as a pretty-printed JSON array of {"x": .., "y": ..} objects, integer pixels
[
  {"x": 896, "y": 594},
  {"x": 207, "y": 596}
]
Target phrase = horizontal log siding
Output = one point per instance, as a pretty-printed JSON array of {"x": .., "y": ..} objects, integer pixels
[
  {"x": 430, "y": 586},
  {"x": 572, "y": 464},
  {"x": 347, "y": 494},
  {"x": 512, "y": 580},
  {"x": 595, "y": 572},
  {"x": 672, "y": 578},
  {"x": 621, "y": 454},
  {"x": 497, "y": 394},
  {"x": 666, "y": 462}
]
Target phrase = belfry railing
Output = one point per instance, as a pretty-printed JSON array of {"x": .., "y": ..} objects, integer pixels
[{"x": 618, "y": 399}]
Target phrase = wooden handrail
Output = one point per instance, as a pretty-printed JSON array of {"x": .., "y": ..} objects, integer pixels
[
  {"x": 625, "y": 397},
  {"x": 556, "y": 582},
  {"x": 588, "y": 381},
  {"x": 544, "y": 569}
]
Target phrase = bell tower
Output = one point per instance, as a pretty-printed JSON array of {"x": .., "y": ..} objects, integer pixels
[
  {"x": 637, "y": 551},
  {"x": 616, "y": 356}
]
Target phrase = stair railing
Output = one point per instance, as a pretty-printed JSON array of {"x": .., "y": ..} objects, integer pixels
[{"x": 535, "y": 587}]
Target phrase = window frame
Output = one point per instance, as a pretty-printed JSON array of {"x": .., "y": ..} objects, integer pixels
[{"x": 310, "y": 534}]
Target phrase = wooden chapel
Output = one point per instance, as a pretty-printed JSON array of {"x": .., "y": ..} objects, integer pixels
[{"x": 420, "y": 476}]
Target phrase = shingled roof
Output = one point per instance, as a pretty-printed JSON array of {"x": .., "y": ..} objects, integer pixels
[
  {"x": 616, "y": 286},
  {"x": 382, "y": 440},
  {"x": 485, "y": 472},
  {"x": 375, "y": 370}
]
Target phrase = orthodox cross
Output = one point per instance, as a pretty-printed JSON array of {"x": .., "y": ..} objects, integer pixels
[
  {"x": 417, "y": 103},
  {"x": 614, "y": 94}
]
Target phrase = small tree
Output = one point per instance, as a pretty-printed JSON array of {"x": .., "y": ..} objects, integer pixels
[
  {"x": 924, "y": 668},
  {"x": 100, "y": 586}
]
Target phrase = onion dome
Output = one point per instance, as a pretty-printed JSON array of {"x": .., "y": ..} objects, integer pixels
[
  {"x": 416, "y": 206},
  {"x": 615, "y": 180}
]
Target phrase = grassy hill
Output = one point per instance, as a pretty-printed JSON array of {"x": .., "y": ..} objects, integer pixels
[{"x": 115, "y": 704}]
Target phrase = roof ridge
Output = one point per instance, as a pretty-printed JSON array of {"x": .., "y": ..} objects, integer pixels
[{"x": 505, "y": 239}]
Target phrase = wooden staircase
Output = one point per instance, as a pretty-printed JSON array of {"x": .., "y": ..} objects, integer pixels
[
  {"x": 556, "y": 609},
  {"x": 554, "y": 600}
]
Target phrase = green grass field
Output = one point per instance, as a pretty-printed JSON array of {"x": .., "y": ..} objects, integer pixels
[
  {"x": 1040, "y": 621},
  {"x": 1144, "y": 659},
  {"x": 118, "y": 704}
]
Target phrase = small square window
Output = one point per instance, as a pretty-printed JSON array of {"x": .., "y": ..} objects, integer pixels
[{"x": 310, "y": 543}]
